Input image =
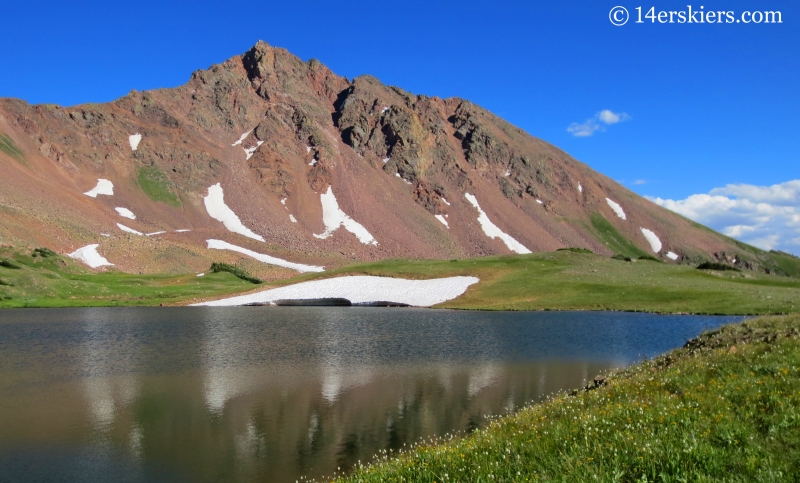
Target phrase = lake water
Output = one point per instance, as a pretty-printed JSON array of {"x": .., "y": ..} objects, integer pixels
[{"x": 269, "y": 394}]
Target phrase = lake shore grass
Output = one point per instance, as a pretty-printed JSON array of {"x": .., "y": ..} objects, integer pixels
[
  {"x": 49, "y": 280},
  {"x": 570, "y": 280},
  {"x": 726, "y": 407},
  {"x": 562, "y": 280}
]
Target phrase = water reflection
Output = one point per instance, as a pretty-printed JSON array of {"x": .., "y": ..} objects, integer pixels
[{"x": 265, "y": 394}]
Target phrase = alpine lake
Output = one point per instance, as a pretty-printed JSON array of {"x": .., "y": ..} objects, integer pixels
[{"x": 276, "y": 394}]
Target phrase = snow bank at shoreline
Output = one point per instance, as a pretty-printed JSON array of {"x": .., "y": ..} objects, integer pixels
[{"x": 361, "y": 289}]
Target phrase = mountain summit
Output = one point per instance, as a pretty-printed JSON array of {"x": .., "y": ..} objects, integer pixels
[{"x": 283, "y": 166}]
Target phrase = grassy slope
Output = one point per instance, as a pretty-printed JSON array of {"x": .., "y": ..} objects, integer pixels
[
  {"x": 725, "y": 409},
  {"x": 561, "y": 280},
  {"x": 61, "y": 282},
  {"x": 567, "y": 280}
]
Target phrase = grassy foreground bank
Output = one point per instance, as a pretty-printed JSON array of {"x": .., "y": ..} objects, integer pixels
[{"x": 724, "y": 408}]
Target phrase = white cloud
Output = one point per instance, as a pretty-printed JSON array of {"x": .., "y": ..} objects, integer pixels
[
  {"x": 593, "y": 124},
  {"x": 639, "y": 182},
  {"x": 765, "y": 216},
  {"x": 611, "y": 117}
]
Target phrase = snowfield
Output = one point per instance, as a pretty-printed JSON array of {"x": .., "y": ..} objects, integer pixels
[
  {"x": 89, "y": 256},
  {"x": 333, "y": 217},
  {"x": 104, "y": 187},
  {"x": 134, "y": 140},
  {"x": 125, "y": 213},
  {"x": 242, "y": 138},
  {"x": 129, "y": 230},
  {"x": 362, "y": 289},
  {"x": 222, "y": 245},
  {"x": 442, "y": 219},
  {"x": 492, "y": 231},
  {"x": 652, "y": 238},
  {"x": 617, "y": 209},
  {"x": 672, "y": 256},
  {"x": 249, "y": 151},
  {"x": 217, "y": 209}
]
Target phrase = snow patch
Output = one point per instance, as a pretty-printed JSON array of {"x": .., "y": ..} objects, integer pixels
[
  {"x": 444, "y": 222},
  {"x": 129, "y": 230},
  {"x": 134, "y": 140},
  {"x": 539, "y": 201},
  {"x": 445, "y": 202},
  {"x": 507, "y": 173},
  {"x": 182, "y": 231},
  {"x": 89, "y": 256},
  {"x": 333, "y": 217},
  {"x": 249, "y": 151},
  {"x": 492, "y": 231},
  {"x": 580, "y": 188},
  {"x": 283, "y": 201},
  {"x": 313, "y": 162},
  {"x": 308, "y": 149},
  {"x": 617, "y": 209},
  {"x": 652, "y": 238},
  {"x": 674, "y": 256},
  {"x": 217, "y": 209},
  {"x": 156, "y": 233},
  {"x": 104, "y": 187},
  {"x": 201, "y": 274},
  {"x": 362, "y": 289},
  {"x": 386, "y": 160},
  {"x": 125, "y": 212},
  {"x": 384, "y": 110},
  {"x": 105, "y": 234},
  {"x": 221, "y": 245},
  {"x": 242, "y": 138},
  {"x": 292, "y": 218}
]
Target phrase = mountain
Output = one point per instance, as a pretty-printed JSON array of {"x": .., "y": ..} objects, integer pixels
[{"x": 268, "y": 157}]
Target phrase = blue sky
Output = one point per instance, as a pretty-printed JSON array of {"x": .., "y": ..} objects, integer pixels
[{"x": 700, "y": 106}]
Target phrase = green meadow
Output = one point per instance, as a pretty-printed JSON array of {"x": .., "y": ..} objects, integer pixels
[
  {"x": 562, "y": 280},
  {"x": 49, "y": 280}
]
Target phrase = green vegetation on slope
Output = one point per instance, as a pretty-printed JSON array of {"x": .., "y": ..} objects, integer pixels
[
  {"x": 566, "y": 280},
  {"x": 157, "y": 186},
  {"x": 7, "y": 146},
  {"x": 217, "y": 267},
  {"x": 563, "y": 280},
  {"x": 54, "y": 281},
  {"x": 724, "y": 408},
  {"x": 613, "y": 239}
]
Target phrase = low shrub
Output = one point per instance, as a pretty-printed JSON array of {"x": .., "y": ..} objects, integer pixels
[
  {"x": 651, "y": 258},
  {"x": 9, "y": 264},
  {"x": 224, "y": 267},
  {"x": 716, "y": 266},
  {"x": 574, "y": 249},
  {"x": 43, "y": 252},
  {"x": 618, "y": 256}
]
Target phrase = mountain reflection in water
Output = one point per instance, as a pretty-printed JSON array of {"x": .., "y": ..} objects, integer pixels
[{"x": 273, "y": 393}]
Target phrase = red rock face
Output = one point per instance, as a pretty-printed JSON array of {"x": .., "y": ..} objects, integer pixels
[{"x": 392, "y": 159}]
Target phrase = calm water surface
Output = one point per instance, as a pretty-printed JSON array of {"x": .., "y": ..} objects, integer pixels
[{"x": 270, "y": 394}]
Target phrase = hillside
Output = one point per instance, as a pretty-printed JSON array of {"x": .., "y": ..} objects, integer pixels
[{"x": 282, "y": 166}]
